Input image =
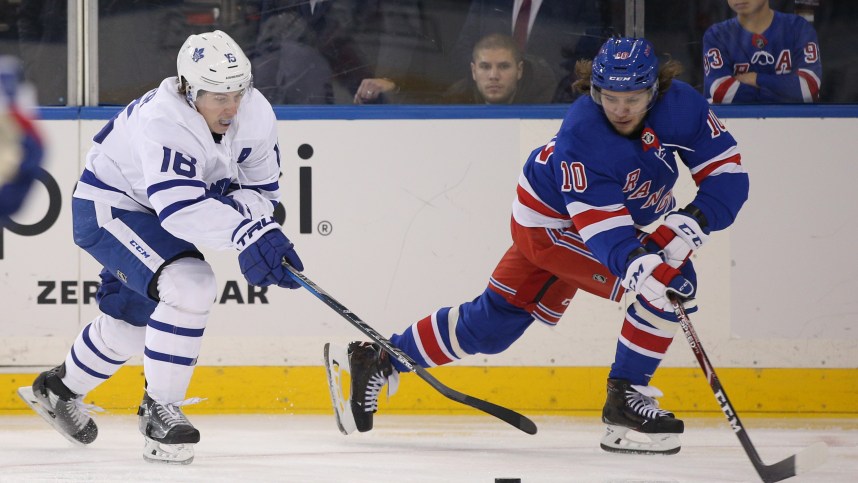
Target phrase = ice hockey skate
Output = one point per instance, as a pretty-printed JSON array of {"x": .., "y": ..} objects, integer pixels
[
  {"x": 60, "y": 407},
  {"x": 635, "y": 422},
  {"x": 170, "y": 437},
  {"x": 367, "y": 368}
]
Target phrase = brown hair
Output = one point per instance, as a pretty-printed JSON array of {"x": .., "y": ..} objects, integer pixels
[
  {"x": 667, "y": 71},
  {"x": 497, "y": 41},
  {"x": 182, "y": 86}
]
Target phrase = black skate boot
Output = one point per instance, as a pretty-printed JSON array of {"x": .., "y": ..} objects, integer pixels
[
  {"x": 369, "y": 369},
  {"x": 170, "y": 437},
  {"x": 60, "y": 407},
  {"x": 634, "y": 408}
]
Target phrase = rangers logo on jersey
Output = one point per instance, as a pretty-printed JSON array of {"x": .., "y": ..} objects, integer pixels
[{"x": 763, "y": 58}]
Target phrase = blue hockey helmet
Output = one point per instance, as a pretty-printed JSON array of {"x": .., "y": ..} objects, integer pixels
[{"x": 624, "y": 64}]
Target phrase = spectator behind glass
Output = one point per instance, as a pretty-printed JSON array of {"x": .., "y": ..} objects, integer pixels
[
  {"x": 42, "y": 32},
  {"x": 306, "y": 52},
  {"x": 402, "y": 37},
  {"x": 501, "y": 75},
  {"x": 761, "y": 55},
  {"x": 558, "y": 31}
]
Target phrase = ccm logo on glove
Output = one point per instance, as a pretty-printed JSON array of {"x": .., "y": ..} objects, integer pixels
[{"x": 693, "y": 237}]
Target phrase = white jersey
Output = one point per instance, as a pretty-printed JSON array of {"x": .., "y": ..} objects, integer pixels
[{"x": 158, "y": 156}]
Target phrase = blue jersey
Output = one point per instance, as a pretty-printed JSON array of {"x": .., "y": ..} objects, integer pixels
[
  {"x": 20, "y": 143},
  {"x": 785, "y": 58},
  {"x": 608, "y": 185}
]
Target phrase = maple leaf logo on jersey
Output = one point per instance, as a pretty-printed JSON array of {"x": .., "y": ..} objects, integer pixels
[
  {"x": 198, "y": 54},
  {"x": 759, "y": 41}
]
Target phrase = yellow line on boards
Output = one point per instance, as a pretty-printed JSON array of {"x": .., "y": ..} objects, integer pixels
[{"x": 532, "y": 390}]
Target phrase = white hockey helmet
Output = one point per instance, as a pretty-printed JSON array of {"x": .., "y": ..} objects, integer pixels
[{"x": 212, "y": 62}]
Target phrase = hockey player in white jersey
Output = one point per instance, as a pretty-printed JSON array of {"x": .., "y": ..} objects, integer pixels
[{"x": 194, "y": 162}]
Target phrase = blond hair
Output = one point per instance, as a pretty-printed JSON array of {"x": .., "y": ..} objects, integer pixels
[{"x": 667, "y": 71}]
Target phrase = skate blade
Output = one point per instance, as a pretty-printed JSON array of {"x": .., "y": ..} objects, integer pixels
[
  {"x": 624, "y": 440},
  {"x": 336, "y": 367},
  {"x": 172, "y": 454},
  {"x": 26, "y": 393}
]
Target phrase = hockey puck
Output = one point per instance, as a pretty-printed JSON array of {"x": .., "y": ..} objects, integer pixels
[{"x": 507, "y": 480}]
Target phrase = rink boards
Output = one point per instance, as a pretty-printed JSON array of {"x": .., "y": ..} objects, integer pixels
[{"x": 396, "y": 217}]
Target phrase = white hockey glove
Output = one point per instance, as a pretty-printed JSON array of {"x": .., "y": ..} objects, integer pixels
[
  {"x": 252, "y": 204},
  {"x": 654, "y": 280},
  {"x": 677, "y": 237}
]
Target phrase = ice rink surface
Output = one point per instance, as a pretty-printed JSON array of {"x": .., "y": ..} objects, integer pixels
[{"x": 473, "y": 449}]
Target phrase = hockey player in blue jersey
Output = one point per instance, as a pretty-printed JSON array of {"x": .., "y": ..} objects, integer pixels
[
  {"x": 581, "y": 201},
  {"x": 761, "y": 56},
  {"x": 194, "y": 162},
  {"x": 20, "y": 144}
]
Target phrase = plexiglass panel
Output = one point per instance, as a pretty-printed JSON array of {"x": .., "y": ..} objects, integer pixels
[
  {"x": 37, "y": 33},
  {"x": 813, "y": 31},
  {"x": 337, "y": 52}
]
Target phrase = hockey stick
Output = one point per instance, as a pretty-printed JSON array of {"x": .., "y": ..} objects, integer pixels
[
  {"x": 801, "y": 462},
  {"x": 507, "y": 415}
]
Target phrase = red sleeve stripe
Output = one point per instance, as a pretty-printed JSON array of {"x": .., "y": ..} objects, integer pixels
[
  {"x": 724, "y": 89},
  {"x": 529, "y": 200},
  {"x": 429, "y": 342},
  {"x": 699, "y": 176},
  {"x": 809, "y": 85},
  {"x": 594, "y": 221}
]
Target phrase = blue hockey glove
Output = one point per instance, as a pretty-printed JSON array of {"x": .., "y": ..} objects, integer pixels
[
  {"x": 261, "y": 262},
  {"x": 676, "y": 238},
  {"x": 654, "y": 280}
]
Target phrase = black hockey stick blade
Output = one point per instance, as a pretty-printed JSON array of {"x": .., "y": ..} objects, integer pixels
[
  {"x": 805, "y": 460},
  {"x": 504, "y": 414},
  {"x": 509, "y": 416}
]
